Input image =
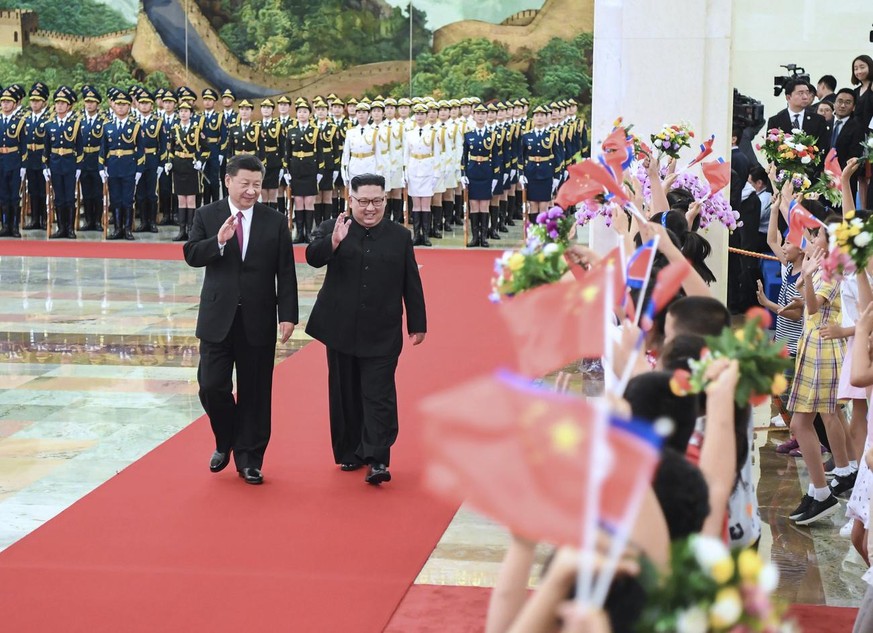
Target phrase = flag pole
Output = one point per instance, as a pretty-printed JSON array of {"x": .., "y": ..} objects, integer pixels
[{"x": 641, "y": 299}]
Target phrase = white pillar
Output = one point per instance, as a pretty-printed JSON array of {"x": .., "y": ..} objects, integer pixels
[{"x": 652, "y": 68}]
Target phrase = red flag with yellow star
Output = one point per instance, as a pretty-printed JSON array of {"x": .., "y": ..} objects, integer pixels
[
  {"x": 526, "y": 457},
  {"x": 556, "y": 324}
]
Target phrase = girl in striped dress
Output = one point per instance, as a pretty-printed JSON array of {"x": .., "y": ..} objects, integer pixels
[{"x": 816, "y": 383}]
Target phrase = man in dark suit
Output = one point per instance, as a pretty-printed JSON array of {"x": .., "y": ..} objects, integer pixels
[
  {"x": 250, "y": 279},
  {"x": 847, "y": 133},
  {"x": 371, "y": 274},
  {"x": 795, "y": 116}
]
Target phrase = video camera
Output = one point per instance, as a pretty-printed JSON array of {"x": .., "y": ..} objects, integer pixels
[
  {"x": 748, "y": 113},
  {"x": 797, "y": 72}
]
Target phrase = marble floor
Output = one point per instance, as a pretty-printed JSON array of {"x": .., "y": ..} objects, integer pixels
[{"x": 94, "y": 351}]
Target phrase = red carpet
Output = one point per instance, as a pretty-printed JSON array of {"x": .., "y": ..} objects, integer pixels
[
  {"x": 167, "y": 546},
  {"x": 432, "y": 609},
  {"x": 101, "y": 250}
]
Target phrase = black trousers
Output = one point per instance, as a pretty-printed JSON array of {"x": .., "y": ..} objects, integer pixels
[
  {"x": 242, "y": 424},
  {"x": 363, "y": 407}
]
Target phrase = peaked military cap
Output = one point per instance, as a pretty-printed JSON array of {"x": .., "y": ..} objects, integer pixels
[
  {"x": 18, "y": 91},
  {"x": 542, "y": 109},
  {"x": 302, "y": 103},
  {"x": 364, "y": 106},
  {"x": 479, "y": 108},
  {"x": 186, "y": 104},
  {"x": 145, "y": 96},
  {"x": 245, "y": 103},
  {"x": 267, "y": 103},
  {"x": 90, "y": 93},
  {"x": 209, "y": 93},
  {"x": 419, "y": 108},
  {"x": 169, "y": 96},
  {"x": 121, "y": 97},
  {"x": 352, "y": 101},
  {"x": 377, "y": 104},
  {"x": 8, "y": 94},
  {"x": 318, "y": 102},
  {"x": 228, "y": 93},
  {"x": 390, "y": 101},
  {"x": 64, "y": 94},
  {"x": 39, "y": 91},
  {"x": 283, "y": 99},
  {"x": 404, "y": 101},
  {"x": 184, "y": 92}
]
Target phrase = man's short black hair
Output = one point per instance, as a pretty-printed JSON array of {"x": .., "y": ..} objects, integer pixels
[
  {"x": 792, "y": 84},
  {"x": 704, "y": 316},
  {"x": 247, "y": 162},
  {"x": 364, "y": 180},
  {"x": 847, "y": 91},
  {"x": 650, "y": 399},
  {"x": 829, "y": 81},
  {"x": 682, "y": 494}
]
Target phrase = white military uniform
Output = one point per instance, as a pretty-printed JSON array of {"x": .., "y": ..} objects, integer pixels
[
  {"x": 396, "y": 135},
  {"x": 421, "y": 161},
  {"x": 361, "y": 152}
]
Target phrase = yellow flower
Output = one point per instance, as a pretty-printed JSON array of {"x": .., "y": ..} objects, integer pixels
[
  {"x": 541, "y": 258},
  {"x": 854, "y": 231},
  {"x": 723, "y": 570},
  {"x": 516, "y": 262},
  {"x": 749, "y": 562},
  {"x": 780, "y": 384},
  {"x": 849, "y": 215},
  {"x": 727, "y": 609},
  {"x": 740, "y": 335}
]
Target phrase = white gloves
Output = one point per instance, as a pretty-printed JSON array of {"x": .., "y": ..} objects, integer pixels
[
  {"x": 103, "y": 175},
  {"x": 160, "y": 171},
  {"x": 512, "y": 173},
  {"x": 335, "y": 176},
  {"x": 522, "y": 181},
  {"x": 281, "y": 174},
  {"x": 318, "y": 179},
  {"x": 137, "y": 177},
  {"x": 22, "y": 173},
  {"x": 505, "y": 178},
  {"x": 198, "y": 166},
  {"x": 493, "y": 185},
  {"x": 168, "y": 167},
  {"x": 220, "y": 159},
  {"x": 78, "y": 173},
  {"x": 465, "y": 181},
  {"x": 287, "y": 178},
  {"x": 555, "y": 182},
  {"x": 47, "y": 174}
]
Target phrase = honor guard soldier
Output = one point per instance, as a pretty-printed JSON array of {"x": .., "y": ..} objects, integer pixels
[
  {"x": 394, "y": 173},
  {"x": 214, "y": 130},
  {"x": 92, "y": 140},
  {"x": 166, "y": 199},
  {"x": 337, "y": 113},
  {"x": 187, "y": 153},
  {"x": 329, "y": 155},
  {"x": 63, "y": 156},
  {"x": 361, "y": 151},
  {"x": 229, "y": 118},
  {"x": 154, "y": 143},
  {"x": 480, "y": 171},
  {"x": 122, "y": 158},
  {"x": 245, "y": 136},
  {"x": 302, "y": 173},
  {"x": 19, "y": 93},
  {"x": 283, "y": 105},
  {"x": 420, "y": 174},
  {"x": 270, "y": 153},
  {"x": 541, "y": 161},
  {"x": 34, "y": 131},
  {"x": 13, "y": 153}
]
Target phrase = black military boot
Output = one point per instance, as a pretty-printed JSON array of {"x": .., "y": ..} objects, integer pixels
[
  {"x": 435, "y": 222},
  {"x": 128, "y": 224},
  {"x": 43, "y": 214},
  {"x": 483, "y": 229},
  {"x": 5, "y": 222},
  {"x": 182, "y": 235},
  {"x": 153, "y": 216},
  {"x": 143, "y": 213},
  {"x": 61, "y": 218},
  {"x": 118, "y": 232},
  {"x": 475, "y": 231},
  {"x": 300, "y": 225},
  {"x": 510, "y": 211},
  {"x": 34, "y": 216},
  {"x": 448, "y": 206},
  {"x": 458, "y": 215},
  {"x": 16, "y": 219},
  {"x": 532, "y": 219},
  {"x": 493, "y": 212},
  {"x": 417, "y": 230},
  {"x": 71, "y": 222},
  {"x": 426, "y": 225},
  {"x": 308, "y": 222},
  {"x": 501, "y": 217}
]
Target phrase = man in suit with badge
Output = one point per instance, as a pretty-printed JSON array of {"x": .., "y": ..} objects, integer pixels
[
  {"x": 371, "y": 275},
  {"x": 250, "y": 285}
]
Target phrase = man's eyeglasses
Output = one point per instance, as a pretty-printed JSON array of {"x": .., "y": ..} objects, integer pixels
[{"x": 377, "y": 203}]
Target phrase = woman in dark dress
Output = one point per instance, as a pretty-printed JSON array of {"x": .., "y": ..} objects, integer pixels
[{"x": 301, "y": 166}]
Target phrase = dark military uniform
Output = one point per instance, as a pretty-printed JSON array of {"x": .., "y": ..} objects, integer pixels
[
  {"x": 188, "y": 152},
  {"x": 302, "y": 149},
  {"x": 270, "y": 151},
  {"x": 244, "y": 138},
  {"x": 123, "y": 157},
  {"x": 35, "y": 164},
  {"x": 229, "y": 118},
  {"x": 166, "y": 200},
  {"x": 154, "y": 144},
  {"x": 214, "y": 129},
  {"x": 63, "y": 155},
  {"x": 89, "y": 180},
  {"x": 13, "y": 153}
]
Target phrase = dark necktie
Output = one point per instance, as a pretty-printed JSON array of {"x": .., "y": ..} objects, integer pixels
[
  {"x": 838, "y": 125},
  {"x": 239, "y": 231},
  {"x": 796, "y": 125}
]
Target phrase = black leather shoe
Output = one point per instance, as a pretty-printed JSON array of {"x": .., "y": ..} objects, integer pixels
[
  {"x": 350, "y": 466},
  {"x": 377, "y": 474},
  {"x": 252, "y": 476},
  {"x": 219, "y": 461}
]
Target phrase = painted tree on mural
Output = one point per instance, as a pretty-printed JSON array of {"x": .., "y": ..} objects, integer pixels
[
  {"x": 79, "y": 17},
  {"x": 563, "y": 67}
]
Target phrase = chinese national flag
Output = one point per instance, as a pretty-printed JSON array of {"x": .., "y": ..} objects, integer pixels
[
  {"x": 717, "y": 173},
  {"x": 577, "y": 189},
  {"x": 667, "y": 285},
  {"x": 705, "y": 150},
  {"x": 555, "y": 324},
  {"x": 800, "y": 219},
  {"x": 592, "y": 170},
  {"x": 616, "y": 258},
  {"x": 526, "y": 457},
  {"x": 832, "y": 166}
]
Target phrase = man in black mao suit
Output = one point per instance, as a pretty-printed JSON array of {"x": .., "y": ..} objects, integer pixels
[
  {"x": 371, "y": 274},
  {"x": 795, "y": 116},
  {"x": 250, "y": 284}
]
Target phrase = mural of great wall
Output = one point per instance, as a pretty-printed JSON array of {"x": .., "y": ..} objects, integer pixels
[{"x": 158, "y": 43}]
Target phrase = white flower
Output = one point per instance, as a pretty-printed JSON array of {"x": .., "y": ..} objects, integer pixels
[
  {"x": 550, "y": 249},
  {"x": 505, "y": 257},
  {"x": 708, "y": 551},
  {"x": 806, "y": 160},
  {"x": 768, "y": 579},
  {"x": 862, "y": 239},
  {"x": 692, "y": 620}
]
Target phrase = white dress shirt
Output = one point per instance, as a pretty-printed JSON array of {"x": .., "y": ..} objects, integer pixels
[{"x": 246, "y": 225}]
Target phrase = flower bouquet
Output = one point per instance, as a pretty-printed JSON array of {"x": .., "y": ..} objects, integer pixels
[
  {"x": 535, "y": 264},
  {"x": 554, "y": 226},
  {"x": 828, "y": 186},
  {"x": 672, "y": 138},
  {"x": 867, "y": 149},
  {"x": 762, "y": 361},
  {"x": 850, "y": 247},
  {"x": 711, "y": 589},
  {"x": 641, "y": 150},
  {"x": 791, "y": 153}
]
